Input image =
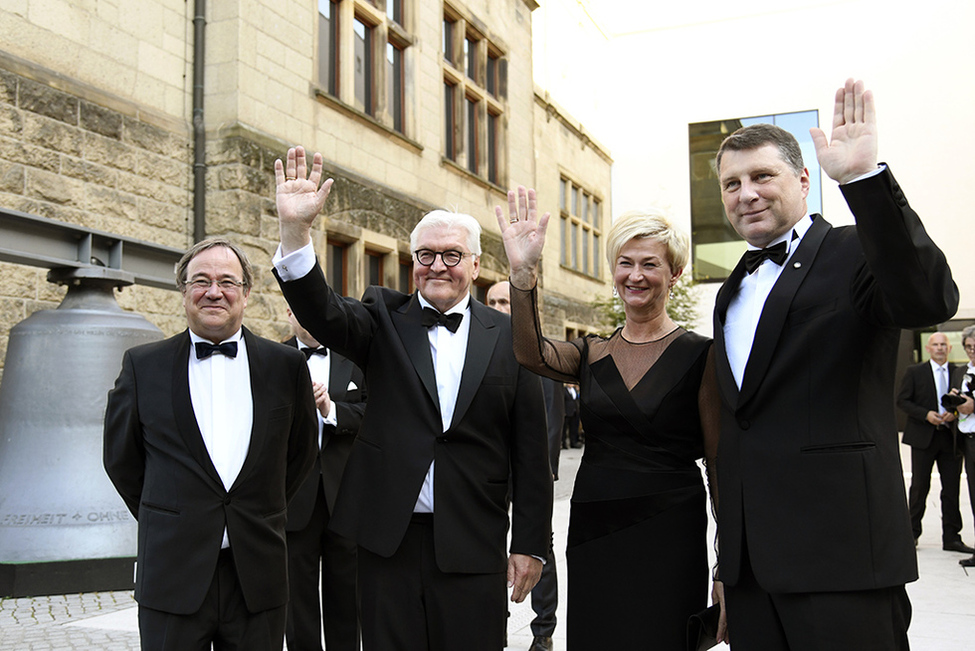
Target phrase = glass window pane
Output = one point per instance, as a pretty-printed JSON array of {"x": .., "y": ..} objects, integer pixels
[
  {"x": 448, "y": 40},
  {"x": 492, "y": 145},
  {"x": 405, "y": 276},
  {"x": 374, "y": 272},
  {"x": 563, "y": 189},
  {"x": 336, "y": 268},
  {"x": 363, "y": 66},
  {"x": 585, "y": 251},
  {"x": 394, "y": 84},
  {"x": 563, "y": 241},
  {"x": 327, "y": 46},
  {"x": 449, "y": 146},
  {"x": 575, "y": 201},
  {"x": 470, "y": 144},
  {"x": 394, "y": 10},
  {"x": 585, "y": 208},
  {"x": 470, "y": 56},
  {"x": 595, "y": 255},
  {"x": 574, "y": 247},
  {"x": 492, "y": 75}
]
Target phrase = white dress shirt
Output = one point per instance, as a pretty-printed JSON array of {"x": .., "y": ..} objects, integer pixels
[
  {"x": 220, "y": 392},
  {"x": 449, "y": 351},
  {"x": 942, "y": 382},
  {"x": 745, "y": 307},
  {"x": 320, "y": 368}
]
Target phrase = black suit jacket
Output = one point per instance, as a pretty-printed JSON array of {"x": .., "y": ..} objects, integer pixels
[
  {"x": 555, "y": 413},
  {"x": 808, "y": 462},
  {"x": 350, "y": 404},
  {"x": 916, "y": 397},
  {"x": 155, "y": 455},
  {"x": 498, "y": 430}
]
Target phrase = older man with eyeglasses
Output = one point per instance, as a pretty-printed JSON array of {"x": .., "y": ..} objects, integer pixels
[
  {"x": 208, "y": 434},
  {"x": 451, "y": 419}
]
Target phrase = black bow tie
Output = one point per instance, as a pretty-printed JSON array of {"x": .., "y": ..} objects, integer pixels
[
  {"x": 314, "y": 351},
  {"x": 777, "y": 253},
  {"x": 204, "y": 349},
  {"x": 432, "y": 317}
]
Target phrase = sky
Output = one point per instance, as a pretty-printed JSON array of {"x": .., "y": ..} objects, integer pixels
[{"x": 587, "y": 56}]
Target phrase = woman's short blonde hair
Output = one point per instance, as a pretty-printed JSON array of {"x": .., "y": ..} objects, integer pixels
[{"x": 651, "y": 223}]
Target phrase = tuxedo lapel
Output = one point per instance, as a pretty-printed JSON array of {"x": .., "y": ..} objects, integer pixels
[
  {"x": 409, "y": 326},
  {"x": 183, "y": 412},
  {"x": 257, "y": 363},
  {"x": 726, "y": 379},
  {"x": 777, "y": 307},
  {"x": 480, "y": 348},
  {"x": 339, "y": 376}
]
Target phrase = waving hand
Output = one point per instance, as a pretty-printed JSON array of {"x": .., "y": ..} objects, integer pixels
[
  {"x": 852, "y": 149},
  {"x": 298, "y": 197}
]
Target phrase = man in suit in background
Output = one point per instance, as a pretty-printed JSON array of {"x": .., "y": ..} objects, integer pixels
[
  {"x": 316, "y": 554},
  {"x": 815, "y": 543},
  {"x": 453, "y": 421},
  {"x": 929, "y": 432},
  {"x": 208, "y": 434},
  {"x": 545, "y": 594}
]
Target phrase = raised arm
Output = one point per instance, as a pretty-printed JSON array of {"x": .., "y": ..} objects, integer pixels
[
  {"x": 523, "y": 234},
  {"x": 851, "y": 151},
  {"x": 299, "y": 198}
]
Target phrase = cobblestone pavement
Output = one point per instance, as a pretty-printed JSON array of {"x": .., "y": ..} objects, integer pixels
[
  {"x": 31, "y": 623},
  {"x": 943, "y": 619}
]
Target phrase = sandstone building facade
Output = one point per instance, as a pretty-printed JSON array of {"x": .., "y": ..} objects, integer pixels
[{"x": 414, "y": 104}]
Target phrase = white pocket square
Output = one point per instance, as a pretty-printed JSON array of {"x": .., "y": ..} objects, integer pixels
[{"x": 352, "y": 387}]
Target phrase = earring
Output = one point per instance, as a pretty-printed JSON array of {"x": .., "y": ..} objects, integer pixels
[{"x": 616, "y": 294}]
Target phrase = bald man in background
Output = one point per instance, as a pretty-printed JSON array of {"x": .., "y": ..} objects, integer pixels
[
  {"x": 545, "y": 594},
  {"x": 929, "y": 433}
]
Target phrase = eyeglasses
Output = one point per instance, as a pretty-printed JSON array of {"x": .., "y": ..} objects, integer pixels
[
  {"x": 970, "y": 349},
  {"x": 426, "y": 257},
  {"x": 225, "y": 285}
]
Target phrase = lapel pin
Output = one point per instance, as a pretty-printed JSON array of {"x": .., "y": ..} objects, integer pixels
[{"x": 796, "y": 265}]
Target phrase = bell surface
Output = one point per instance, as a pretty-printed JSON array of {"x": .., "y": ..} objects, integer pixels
[{"x": 63, "y": 527}]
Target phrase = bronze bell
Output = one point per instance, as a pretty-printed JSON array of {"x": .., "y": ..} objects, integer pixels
[{"x": 63, "y": 527}]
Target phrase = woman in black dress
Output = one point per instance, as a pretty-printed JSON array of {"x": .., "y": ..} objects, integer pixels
[{"x": 637, "y": 548}]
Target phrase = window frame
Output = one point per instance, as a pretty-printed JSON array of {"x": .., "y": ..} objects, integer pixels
[{"x": 474, "y": 125}]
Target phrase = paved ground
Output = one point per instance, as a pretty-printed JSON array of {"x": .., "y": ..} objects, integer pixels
[{"x": 943, "y": 598}]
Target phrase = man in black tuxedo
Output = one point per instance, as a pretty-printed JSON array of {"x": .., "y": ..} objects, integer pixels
[
  {"x": 815, "y": 542},
  {"x": 208, "y": 434},
  {"x": 451, "y": 423},
  {"x": 317, "y": 555},
  {"x": 929, "y": 432},
  {"x": 545, "y": 594}
]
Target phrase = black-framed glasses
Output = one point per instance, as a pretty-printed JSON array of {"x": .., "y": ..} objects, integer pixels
[
  {"x": 225, "y": 285},
  {"x": 426, "y": 257}
]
